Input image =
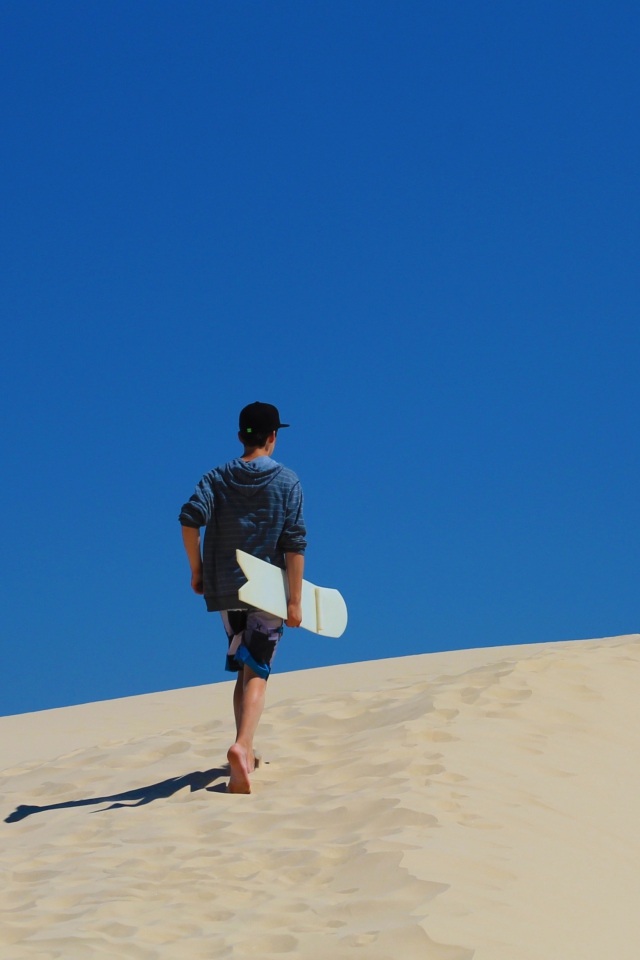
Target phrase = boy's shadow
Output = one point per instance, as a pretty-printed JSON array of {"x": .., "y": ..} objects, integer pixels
[{"x": 198, "y": 780}]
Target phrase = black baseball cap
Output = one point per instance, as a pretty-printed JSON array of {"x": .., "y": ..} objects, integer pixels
[{"x": 260, "y": 418}]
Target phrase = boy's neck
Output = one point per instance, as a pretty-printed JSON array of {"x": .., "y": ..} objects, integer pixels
[{"x": 252, "y": 453}]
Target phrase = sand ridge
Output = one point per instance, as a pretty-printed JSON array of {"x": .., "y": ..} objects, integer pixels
[{"x": 479, "y": 805}]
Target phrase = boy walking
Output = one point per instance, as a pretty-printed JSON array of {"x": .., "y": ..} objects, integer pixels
[{"x": 253, "y": 504}]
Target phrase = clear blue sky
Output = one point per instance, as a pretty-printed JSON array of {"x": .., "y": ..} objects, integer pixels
[{"x": 413, "y": 226}]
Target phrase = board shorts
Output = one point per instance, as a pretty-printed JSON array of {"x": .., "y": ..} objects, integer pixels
[{"x": 253, "y": 637}]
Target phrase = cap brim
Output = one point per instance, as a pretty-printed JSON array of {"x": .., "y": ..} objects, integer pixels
[{"x": 281, "y": 425}]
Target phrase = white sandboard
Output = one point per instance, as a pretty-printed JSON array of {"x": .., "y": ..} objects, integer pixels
[{"x": 323, "y": 609}]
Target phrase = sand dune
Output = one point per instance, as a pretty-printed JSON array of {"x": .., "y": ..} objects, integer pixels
[{"x": 482, "y": 803}]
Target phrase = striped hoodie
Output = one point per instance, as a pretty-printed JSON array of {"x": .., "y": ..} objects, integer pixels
[{"x": 254, "y": 506}]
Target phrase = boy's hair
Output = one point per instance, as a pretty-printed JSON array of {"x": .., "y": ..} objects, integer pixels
[{"x": 255, "y": 439}]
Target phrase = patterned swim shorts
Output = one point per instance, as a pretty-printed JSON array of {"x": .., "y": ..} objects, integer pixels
[{"x": 253, "y": 637}]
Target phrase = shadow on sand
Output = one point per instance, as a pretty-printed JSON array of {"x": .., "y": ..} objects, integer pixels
[{"x": 198, "y": 780}]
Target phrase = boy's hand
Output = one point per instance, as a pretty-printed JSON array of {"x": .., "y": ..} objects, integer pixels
[
  {"x": 191, "y": 540},
  {"x": 295, "y": 568},
  {"x": 294, "y": 614}
]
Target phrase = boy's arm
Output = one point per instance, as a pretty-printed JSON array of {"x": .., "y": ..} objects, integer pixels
[
  {"x": 295, "y": 569},
  {"x": 191, "y": 540},
  {"x": 196, "y": 513}
]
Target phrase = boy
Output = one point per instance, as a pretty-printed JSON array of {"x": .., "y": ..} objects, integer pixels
[{"x": 253, "y": 504}]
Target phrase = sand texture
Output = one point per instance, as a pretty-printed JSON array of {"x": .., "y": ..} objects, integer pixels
[{"x": 479, "y": 804}]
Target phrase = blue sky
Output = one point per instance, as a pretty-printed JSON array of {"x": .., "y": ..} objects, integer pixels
[{"x": 412, "y": 226}]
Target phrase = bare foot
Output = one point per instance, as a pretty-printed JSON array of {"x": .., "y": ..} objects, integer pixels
[
  {"x": 253, "y": 761},
  {"x": 239, "y": 762}
]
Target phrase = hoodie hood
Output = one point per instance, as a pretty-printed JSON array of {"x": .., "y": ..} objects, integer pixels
[{"x": 248, "y": 478}]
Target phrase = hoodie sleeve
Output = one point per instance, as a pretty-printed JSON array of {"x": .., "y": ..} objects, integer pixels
[
  {"x": 198, "y": 509},
  {"x": 292, "y": 539}
]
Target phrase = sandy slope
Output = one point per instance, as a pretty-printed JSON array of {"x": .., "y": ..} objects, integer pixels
[{"x": 481, "y": 804}]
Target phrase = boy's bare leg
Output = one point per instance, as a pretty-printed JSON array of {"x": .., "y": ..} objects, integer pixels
[
  {"x": 240, "y": 755},
  {"x": 238, "y": 693}
]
